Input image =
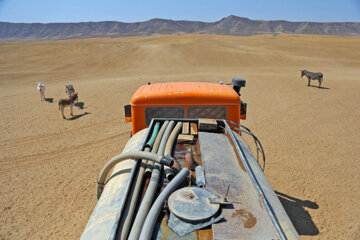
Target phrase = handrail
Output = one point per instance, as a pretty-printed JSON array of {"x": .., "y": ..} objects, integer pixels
[
  {"x": 258, "y": 145},
  {"x": 258, "y": 188}
]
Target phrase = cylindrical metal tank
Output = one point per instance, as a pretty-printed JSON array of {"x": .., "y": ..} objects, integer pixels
[{"x": 105, "y": 217}]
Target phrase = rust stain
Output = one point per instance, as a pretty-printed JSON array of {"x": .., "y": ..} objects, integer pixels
[
  {"x": 146, "y": 184},
  {"x": 195, "y": 150},
  {"x": 180, "y": 151},
  {"x": 205, "y": 233},
  {"x": 165, "y": 233},
  {"x": 196, "y": 156},
  {"x": 188, "y": 195},
  {"x": 246, "y": 217},
  {"x": 189, "y": 161},
  {"x": 260, "y": 204},
  {"x": 236, "y": 152}
]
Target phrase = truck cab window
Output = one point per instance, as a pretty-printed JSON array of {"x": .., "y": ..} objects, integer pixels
[
  {"x": 163, "y": 112},
  {"x": 214, "y": 112}
]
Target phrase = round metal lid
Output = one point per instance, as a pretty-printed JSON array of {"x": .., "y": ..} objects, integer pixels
[{"x": 192, "y": 204}]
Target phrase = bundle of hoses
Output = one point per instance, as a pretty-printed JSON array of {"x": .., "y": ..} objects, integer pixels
[
  {"x": 129, "y": 155},
  {"x": 153, "y": 183},
  {"x": 133, "y": 195},
  {"x": 159, "y": 141},
  {"x": 166, "y": 144}
]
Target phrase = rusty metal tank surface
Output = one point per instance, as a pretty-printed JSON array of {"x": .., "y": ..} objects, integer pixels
[
  {"x": 246, "y": 217},
  {"x": 279, "y": 211},
  {"x": 105, "y": 217}
]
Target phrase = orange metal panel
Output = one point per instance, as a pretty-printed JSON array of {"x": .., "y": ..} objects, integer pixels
[
  {"x": 183, "y": 94},
  {"x": 186, "y": 93}
]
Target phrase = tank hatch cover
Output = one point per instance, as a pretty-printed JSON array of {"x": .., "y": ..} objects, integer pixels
[{"x": 193, "y": 204}]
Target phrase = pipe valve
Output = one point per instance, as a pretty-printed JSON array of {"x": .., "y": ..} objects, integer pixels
[{"x": 167, "y": 161}]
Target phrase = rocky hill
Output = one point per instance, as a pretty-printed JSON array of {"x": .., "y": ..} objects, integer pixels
[{"x": 231, "y": 25}]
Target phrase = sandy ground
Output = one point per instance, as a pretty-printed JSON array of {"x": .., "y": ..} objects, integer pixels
[{"x": 49, "y": 166}]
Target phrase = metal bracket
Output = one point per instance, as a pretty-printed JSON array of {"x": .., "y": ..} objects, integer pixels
[{"x": 221, "y": 200}]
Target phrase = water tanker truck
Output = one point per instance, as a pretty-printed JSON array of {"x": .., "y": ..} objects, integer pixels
[{"x": 187, "y": 172}]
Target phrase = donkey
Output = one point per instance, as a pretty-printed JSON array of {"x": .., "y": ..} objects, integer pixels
[
  {"x": 67, "y": 102},
  {"x": 41, "y": 89},
  {"x": 312, "y": 76},
  {"x": 70, "y": 91}
]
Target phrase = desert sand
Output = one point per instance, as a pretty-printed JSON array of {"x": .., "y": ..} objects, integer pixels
[{"x": 311, "y": 136}]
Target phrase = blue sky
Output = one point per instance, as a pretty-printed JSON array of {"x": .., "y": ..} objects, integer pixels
[{"x": 203, "y": 10}]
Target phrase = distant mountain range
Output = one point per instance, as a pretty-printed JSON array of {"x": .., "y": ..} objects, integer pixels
[{"x": 232, "y": 25}]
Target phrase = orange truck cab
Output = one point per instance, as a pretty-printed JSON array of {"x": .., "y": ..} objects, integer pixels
[{"x": 191, "y": 100}]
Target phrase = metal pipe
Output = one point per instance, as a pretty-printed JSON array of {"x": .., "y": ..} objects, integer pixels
[
  {"x": 124, "y": 156},
  {"x": 129, "y": 210},
  {"x": 200, "y": 176},
  {"x": 169, "y": 174},
  {"x": 155, "y": 210},
  {"x": 151, "y": 190}
]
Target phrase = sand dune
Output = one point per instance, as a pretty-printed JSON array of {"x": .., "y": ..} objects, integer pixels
[{"x": 49, "y": 166}]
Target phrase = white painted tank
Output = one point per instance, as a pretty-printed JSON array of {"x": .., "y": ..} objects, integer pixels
[{"x": 105, "y": 217}]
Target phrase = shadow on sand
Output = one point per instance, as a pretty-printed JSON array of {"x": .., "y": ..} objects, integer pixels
[
  {"x": 299, "y": 216},
  {"x": 80, "y": 105},
  {"x": 325, "y": 88},
  {"x": 78, "y": 116},
  {"x": 49, "y": 100}
]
